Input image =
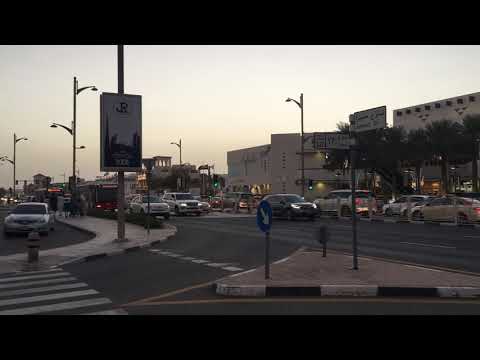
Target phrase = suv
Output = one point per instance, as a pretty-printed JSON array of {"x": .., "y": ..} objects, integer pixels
[
  {"x": 182, "y": 203},
  {"x": 139, "y": 204},
  {"x": 328, "y": 204},
  {"x": 291, "y": 206}
]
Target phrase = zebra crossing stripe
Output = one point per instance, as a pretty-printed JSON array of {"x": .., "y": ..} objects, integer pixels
[
  {"x": 38, "y": 282},
  {"x": 217, "y": 264},
  {"x": 200, "y": 261},
  {"x": 189, "y": 258},
  {"x": 35, "y": 272},
  {"x": 47, "y": 297},
  {"x": 57, "y": 307},
  {"x": 232, "y": 268},
  {"x": 41, "y": 289},
  {"x": 31, "y": 277}
]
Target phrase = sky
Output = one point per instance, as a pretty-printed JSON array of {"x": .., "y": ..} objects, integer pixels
[{"x": 215, "y": 98}]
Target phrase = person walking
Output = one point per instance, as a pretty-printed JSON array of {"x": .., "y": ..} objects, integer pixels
[{"x": 60, "y": 202}]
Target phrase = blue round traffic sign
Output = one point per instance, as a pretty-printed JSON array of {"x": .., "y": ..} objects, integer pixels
[{"x": 264, "y": 216}]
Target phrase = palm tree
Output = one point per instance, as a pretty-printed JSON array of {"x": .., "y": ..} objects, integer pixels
[
  {"x": 445, "y": 138},
  {"x": 471, "y": 124},
  {"x": 418, "y": 151}
]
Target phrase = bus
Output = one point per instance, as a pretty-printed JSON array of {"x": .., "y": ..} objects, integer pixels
[{"x": 99, "y": 196}]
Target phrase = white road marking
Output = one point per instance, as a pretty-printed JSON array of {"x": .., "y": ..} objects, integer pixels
[
  {"x": 217, "y": 264},
  {"x": 56, "y": 307},
  {"x": 232, "y": 268},
  {"x": 187, "y": 258},
  {"x": 47, "y": 297},
  {"x": 242, "y": 273},
  {"x": 422, "y": 268},
  {"x": 39, "y": 282},
  {"x": 21, "y": 273},
  {"x": 174, "y": 255},
  {"x": 281, "y": 260},
  {"x": 154, "y": 250},
  {"x": 109, "y": 312},
  {"x": 429, "y": 245},
  {"x": 199, "y": 261},
  {"x": 41, "y": 289},
  {"x": 44, "y": 276},
  {"x": 472, "y": 236}
]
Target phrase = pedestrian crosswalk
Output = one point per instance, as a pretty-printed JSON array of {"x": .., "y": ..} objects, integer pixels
[{"x": 51, "y": 292}]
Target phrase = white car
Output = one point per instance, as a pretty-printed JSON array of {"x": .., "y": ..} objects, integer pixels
[
  {"x": 182, "y": 203},
  {"x": 399, "y": 206},
  {"x": 329, "y": 203},
  {"x": 158, "y": 207},
  {"x": 28, "y": 217}
]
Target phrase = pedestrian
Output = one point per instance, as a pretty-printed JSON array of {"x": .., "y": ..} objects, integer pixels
[
  {"x": 67, "y": 206},
  {"x": 60, "y": 202}
]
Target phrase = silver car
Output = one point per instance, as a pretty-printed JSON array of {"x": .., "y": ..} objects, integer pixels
[{"x": 27, "y": 217}]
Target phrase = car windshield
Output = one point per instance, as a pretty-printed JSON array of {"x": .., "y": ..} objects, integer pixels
[
  {"x": 185, "y": 197},
  {"x": 293, "y": 199},
  {"x": 30, "y": 209},
  {"x": 153, "y": 199}
]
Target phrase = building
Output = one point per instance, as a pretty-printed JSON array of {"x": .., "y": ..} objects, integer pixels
[
  {"x": 41, "y": 181},
  {"x": 276, "y": 168},
  {"x": 418, "y": 116}
]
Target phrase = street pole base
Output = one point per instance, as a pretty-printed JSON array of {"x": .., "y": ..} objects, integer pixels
[{"x": 120, "y": 240}]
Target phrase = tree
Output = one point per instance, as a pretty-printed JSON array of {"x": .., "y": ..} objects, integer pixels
[
  {"x": 418, "y": 151},
  {"x": 445, "y": 139},
  {"x": 471, "y": 125}
]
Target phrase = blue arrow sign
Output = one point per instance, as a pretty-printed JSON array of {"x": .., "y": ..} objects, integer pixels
[{"x": 264, "y": 216}]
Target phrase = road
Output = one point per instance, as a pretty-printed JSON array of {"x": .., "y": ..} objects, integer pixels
[
  {"x": 62, "y": 236},
  {"x": 176, "y": 277}
]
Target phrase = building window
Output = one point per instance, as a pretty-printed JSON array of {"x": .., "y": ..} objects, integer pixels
[
  {"x": 399, "y": 113},
  {"x": 408, "y": 111},
  {"x": 427, "y": 107},
  {"x": 471, "y": 98},
  {"x": 438, "y": 106},
  {"x": 449, "y": 103},
  {"x": 459, "y": 101},
  {"x": 417, "y": 109}
]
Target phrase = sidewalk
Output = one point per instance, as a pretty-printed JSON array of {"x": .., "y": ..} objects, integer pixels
[
  {"x": 307, "y": 273},
  {"x": 101, "y": 245}
]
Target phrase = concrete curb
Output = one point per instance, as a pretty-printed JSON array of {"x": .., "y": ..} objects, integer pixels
[
  {"x": 76, "y": 227},
  {"x": 345, "y": 290}
]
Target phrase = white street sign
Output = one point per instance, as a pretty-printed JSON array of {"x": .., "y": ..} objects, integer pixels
[
  {"x": 370, "y": 119},
  {"x": 331, "y": 140}
]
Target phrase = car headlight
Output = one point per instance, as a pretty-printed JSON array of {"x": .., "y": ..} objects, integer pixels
[
  {"x": 314, "y": 206},
  {"x": 295, "y": 206},
  {"x": 183, "y": 204}
]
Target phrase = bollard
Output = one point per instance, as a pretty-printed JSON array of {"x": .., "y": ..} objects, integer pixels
[
  {"x": 322, "y": 237},
  {"x": 33, "y": 246},
  {"x": 409, "y": 208},
  {"x": 370, "y": 206}
]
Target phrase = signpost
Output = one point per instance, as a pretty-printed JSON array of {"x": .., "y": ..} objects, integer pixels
[
  {"x": 264, "y": 222},
  {"x": 148, "y": 165},
  {"x": 360, "y": 121}
]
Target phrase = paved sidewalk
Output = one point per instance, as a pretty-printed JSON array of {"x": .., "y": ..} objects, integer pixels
[
  {"x": 306, "y": 273},
  {"x": 103, "y": 244}
]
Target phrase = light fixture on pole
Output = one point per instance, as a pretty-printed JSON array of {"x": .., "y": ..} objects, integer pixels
[
  {"x": 13, "y": 162},
  {"x": 179, "y": 144},
  {"x": 300, "y": 105}
]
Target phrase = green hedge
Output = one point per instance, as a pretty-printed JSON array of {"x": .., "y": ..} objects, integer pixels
[{"x": 137, "y": 219}]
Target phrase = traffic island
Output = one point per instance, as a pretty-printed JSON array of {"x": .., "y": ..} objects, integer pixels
[{"x": 308, "y": 273}]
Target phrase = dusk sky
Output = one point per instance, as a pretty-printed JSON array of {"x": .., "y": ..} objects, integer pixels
[{"x": 215, "y": 98}]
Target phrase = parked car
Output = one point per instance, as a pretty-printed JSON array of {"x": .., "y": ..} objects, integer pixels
[
  {"x": 203, "y": 204},
  {"x": 444, "y": 209},
  {"x": 216, "y": 202},
  {"x": 291, "y": 206},
  {"x": 158, "y": 207},
  {"x": 328, "y": 204},
  {"x": 399, "y": 206},
  {"x": 27, "y": 217},
  {"x": 244, "y": 200},
  {"x": 182, "y": 203}
]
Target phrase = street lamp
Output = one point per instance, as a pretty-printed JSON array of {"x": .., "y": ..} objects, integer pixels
[
  {"x": 73, "y": 129},
  {"x": 180, "y": 147},
  {"x": 4, "y": 158},
  {"x": 300, "y": 105}
]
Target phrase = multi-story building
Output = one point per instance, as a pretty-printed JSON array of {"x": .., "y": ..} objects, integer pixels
[
  {"x": 276, "y": 168},
  {"x": 418, "y": 116},
  {"x": 41, "y": 181}
]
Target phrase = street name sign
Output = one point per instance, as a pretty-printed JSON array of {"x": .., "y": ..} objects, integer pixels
[
  {"x": 331, "y": 140},
  {"x": 370, "y": 119},
  {"x": 120, "y": 132},
  {"x": 264, "y": 216}
]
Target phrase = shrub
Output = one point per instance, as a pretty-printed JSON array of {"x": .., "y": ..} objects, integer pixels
[{"x": 137, "y": 219}]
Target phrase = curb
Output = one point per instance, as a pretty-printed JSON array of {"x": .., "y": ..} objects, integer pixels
[
  {"x": 346, "y": 290},
  {"x": 76, "y": 227}
]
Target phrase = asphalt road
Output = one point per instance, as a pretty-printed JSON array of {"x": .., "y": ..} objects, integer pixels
[
  {"x": 62, "y": 236},
  {"x": 148, "y": 282}
]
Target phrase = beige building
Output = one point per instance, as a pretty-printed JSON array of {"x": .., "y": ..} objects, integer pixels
[
  {"x": 418, "y": 116},
  {"x": 276, "y": 168}
]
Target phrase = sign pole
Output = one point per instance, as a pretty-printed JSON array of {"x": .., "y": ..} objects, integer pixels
[
  {"x": 354, "y": 208},
  {"x": 121, "y": 178},
  {"x": 267, "y": 255}
]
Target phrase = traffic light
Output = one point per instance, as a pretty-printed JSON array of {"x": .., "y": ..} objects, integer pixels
[
  {"x": 215, "y": 180},
  {"x": 310, "y": 184}
]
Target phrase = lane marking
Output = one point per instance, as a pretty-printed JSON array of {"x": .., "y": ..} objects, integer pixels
[
  {"x": 199, "y": 261},
  {"x": 38, "y": 282},
  {"x": 189, "y": 258},
  {"x": 41, "y": 289},
  {"x": 56, "y": 307},
  {"x": 174, "y": 255},
  {"x": 47, "y": 297},
  {"x": 429, "y": 245},
  {"x": 108, "y": 312},
  {"x": 422, "y": 268},
  {"x": 281, "y": 260},
  {"x": 232, "y": 268},
  {"x": 217, "y": 264},
  {"x": 19, "y": 278}
]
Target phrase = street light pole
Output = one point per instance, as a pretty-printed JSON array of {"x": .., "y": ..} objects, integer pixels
[
  {"x": 121, "y": 174},
  {"x": 300, "y": 105},
  {"x": 74, "y": 134},
  {"x": 14, "y": 153}
]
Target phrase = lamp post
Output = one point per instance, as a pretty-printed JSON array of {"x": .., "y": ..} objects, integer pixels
[
  {"x": 300, "y": 105},
  {"x": 13, "y": 162},
  {"x": 179, "y": 144}
]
